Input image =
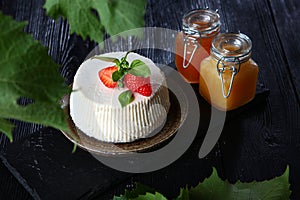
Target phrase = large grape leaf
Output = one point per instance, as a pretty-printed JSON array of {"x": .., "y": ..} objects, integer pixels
[
  {"x": 184, "y": 194},
  {"x": 150, "y": 196},
  {"x": 26, "y": 71},
  {"x": 214, "y": 188},
  {"x": 91, "y": 17}
]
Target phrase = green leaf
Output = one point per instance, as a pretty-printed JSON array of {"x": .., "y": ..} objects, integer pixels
[
  {"x": 80, "y": 16},
  {"x": 139, "y": 68},
  {"x": 119, "y": 16},
  {"x": 117, "y": 75},
  {"x": 6, "y": 127},
  {"x": 184, "y": 194},
  {"x": 120, "y": 83},
  {"x": 107, "y": 59},
  {"x": 113, "y": 16},
  {"x": 138, "y": 190},
  {"x": 26, "y": 70},
  {"x": 126, "y": 98},
  {"x": 277, "y": 188},
  {"x": 150, "y": 196},
  {"x": 211, "y": 188},
  {"x": 214, "y": 188}
]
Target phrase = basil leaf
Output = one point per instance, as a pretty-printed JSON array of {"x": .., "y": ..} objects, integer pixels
[
  {"x": 139, "y": 68},
  {"x": 107, "y": 59},
  {"x": 120, "y": 83},
  {"x": 126, "y": 98},
  {"x": 124, "y": 64},
  {"x": 117, "y": 75}
]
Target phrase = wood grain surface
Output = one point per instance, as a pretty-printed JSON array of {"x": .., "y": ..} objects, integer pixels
[{"x": 256, "y": 144}]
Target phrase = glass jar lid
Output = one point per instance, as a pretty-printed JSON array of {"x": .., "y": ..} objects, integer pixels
[
  {"x": 200, "y": 22},
  {"x": 231, "y": 46}
]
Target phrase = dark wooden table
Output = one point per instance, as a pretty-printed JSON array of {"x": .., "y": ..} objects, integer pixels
[{"x": 256, "y": 145}]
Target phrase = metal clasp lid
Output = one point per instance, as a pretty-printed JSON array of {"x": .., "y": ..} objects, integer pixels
[
  {"x": 196, "y": 25},
  {"x": 196, "y": 45},
  {"x": 234, "y": 68},
  {"x": 230, "y": 50}
]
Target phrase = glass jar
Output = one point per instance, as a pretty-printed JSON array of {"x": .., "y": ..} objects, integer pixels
[
  {"x": 228, "y": 76},
  {"x": 193, "y": 43}
]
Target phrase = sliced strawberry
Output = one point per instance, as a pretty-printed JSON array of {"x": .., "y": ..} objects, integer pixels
[
  {"x": 145, "y": 90},
  {"x": 134, "y": 82},
  {"x": 105, "y": 76}
]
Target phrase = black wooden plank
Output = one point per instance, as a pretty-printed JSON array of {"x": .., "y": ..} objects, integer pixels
[
  {"x": 42, "y": 159},
  {"x": 157, "y": 179},
  {"x": 10, "y": 187},
  {"x": 258, "y": 145},
  {"x": 44, "y": 164},
  {"x": 286, "y": 16},
  {"x": 263, "y": 141}
]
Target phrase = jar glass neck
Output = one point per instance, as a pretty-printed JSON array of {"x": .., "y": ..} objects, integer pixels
[
  {"x": 201, "y": 23},
  {"x": 194, "y": 32},
  {"x": 231, "y": 47},
  {"x": 230, "y": 58}
]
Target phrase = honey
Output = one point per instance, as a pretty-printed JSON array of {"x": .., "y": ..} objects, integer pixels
[
  {"x": 193, "y": 43},
  {"x": 228, "y": 76}
]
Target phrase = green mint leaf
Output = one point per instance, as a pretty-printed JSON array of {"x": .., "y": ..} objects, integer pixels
[
  {"x": 28, "y": 72},
  {"x": 6, "y": 127},
  {"x": 139, "y": 68},
  {"x": 124, "y": 64},
  {"x": 114, "y": 16},
  {"x": 120, "y": 83},
  {"x": 117, "y": 75},
  {"x": 126, "y": 98},
  {"x": 107, "y": 59},
  {"x": 128, "y": 52}
]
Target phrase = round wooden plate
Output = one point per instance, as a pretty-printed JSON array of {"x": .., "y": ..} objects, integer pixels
[{"x": 174, "y": 119}]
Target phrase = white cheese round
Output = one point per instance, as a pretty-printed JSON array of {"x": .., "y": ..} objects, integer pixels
[{"x": 96, "y": 111}]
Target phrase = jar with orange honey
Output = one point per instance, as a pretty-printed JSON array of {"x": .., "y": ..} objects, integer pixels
[
  {"x": 193, "y": 43},
  {"x": 228, "y": 76}
]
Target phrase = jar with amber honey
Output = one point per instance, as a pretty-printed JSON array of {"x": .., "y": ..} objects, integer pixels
[
  {"x": 193, "y": 43},
  {"x": 228, "y": 76}
]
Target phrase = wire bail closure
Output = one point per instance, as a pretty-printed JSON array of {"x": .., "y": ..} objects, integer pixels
[
  {"x": 188, "y": 38},
  {"x": 235, "y": 68},
  {"x": 197, "y": 25}
]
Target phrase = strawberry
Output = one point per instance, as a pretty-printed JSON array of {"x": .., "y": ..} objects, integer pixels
[
  {"x": 138, "y": 84},
  {"x": 105, "y": 76},
  {"x": 145, "y": 90},
  {"x": 134, "y": 82},
  {"x": 131, "y": 75}
]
